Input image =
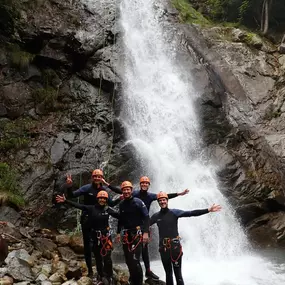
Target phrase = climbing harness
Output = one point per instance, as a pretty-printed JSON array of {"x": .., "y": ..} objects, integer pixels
[
  {"x": 172, "y": 245},
  {"x": 105, "y": 240},
  {"x": 135, "y": 240}
]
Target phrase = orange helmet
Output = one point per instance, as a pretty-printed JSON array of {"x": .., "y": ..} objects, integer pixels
[
  {"x": 161, "y": 195},
  {"x": 144, "y": 179},
  {"x": 102, "y": 194},
  {"x": 97, "y": 172},
  {"x": 126, "y": 184}
]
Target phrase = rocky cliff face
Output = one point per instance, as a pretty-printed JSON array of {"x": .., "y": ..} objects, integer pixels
[
  {"x": 60, "y": 99},
  {"x": 58, "y": 90},
  {"x": 241, "y": 105}
]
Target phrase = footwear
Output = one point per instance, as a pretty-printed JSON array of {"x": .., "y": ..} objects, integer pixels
[{"x": 150, "y": 274}]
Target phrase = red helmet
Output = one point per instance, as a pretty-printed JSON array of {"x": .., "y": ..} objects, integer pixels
[
  {"x": 102, "y": 194},
  {"x": 144, "y": 179},
  {"x": 97, "y": 172},
  {"x": 126, "y": 184},
  {"x": 161, "y": 195}
]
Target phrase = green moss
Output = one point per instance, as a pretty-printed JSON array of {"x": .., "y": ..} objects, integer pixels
[
  {"x": 20, "y": 59},
  {"x": 15, "y": 134},
  {"x": 9, "y": 186},
  {"x": 188, "y": 14},
  {"x": 46, "y": 96}
]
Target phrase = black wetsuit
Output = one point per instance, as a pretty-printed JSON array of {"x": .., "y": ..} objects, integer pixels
[
  {"x": 89, "y": 192},
  {"x": 102, "y": 243},
  {"x": 134, "y": 220},
  {"x": 148, "y": 198},
  {"x": 169, "y": 244}
]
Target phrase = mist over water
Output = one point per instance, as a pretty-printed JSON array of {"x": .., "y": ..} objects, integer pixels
[{"x": 161, "y": 122}]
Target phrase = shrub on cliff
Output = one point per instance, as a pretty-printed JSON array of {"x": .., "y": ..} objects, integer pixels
[{"x": 9, "y": 186}]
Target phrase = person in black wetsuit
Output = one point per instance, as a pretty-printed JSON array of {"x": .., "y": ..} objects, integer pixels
[
  {"x": 169, "y": 242},
  {"x": 89, "y": 192},
  {"x": 148, "y": 198},
  {"x": 133, "y": 226},
  {"x": 100, "y": 232}
]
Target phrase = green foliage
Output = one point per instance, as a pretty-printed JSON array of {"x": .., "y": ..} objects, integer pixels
[
  {"x": 188, "y": 14},
  {"x": 20, "y": 59},
  {"x": 9, "y": 187},
  {"x": 46, "y": 96},
  {"x": 15, "y": 134},
  {"x": 246, "y": 12}
]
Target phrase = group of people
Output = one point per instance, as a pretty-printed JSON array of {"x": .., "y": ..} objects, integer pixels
[{"x": 133, "y": 229}]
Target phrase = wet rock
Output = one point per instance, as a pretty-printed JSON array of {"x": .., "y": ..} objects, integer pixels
[
  {"x": 282, "y": 48},
  {"x": 76, "y": 243},
  {"x": 6, "y": 280},
  {"x": 44, "y": 244},
  {"x": 66, "y": 253},
  {"x": 47, "y": 269},
  {"x": 268, "y": 230},
  {"x": 41, "y": 277},
  {"x": 21, "y": 254},
  {"x": 46, "y": 283},
  {"x": 84, "y": 281},
  {"x": 3, "y": 271},
  {"x": 56, "y": 277},
  {"x": 62, "y": 240},
  {"x": 19, "y": 269},
  {"x": 15, "y": 97},
  {"x": 9, "y": 215}
]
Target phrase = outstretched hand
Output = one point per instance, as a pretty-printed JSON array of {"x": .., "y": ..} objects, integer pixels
[
  {"x": 215, "y": 208},
  {"x": 68, "y": 179},
  {"x": 60, "y": 199},
  {"x": 186, "y": 191}
]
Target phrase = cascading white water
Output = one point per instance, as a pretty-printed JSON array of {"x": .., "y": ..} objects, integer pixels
[{"x": 161, "y": 122}]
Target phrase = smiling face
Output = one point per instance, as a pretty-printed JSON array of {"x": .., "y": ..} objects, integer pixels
[
  {"x": 127, "y": 192},
  {"x": 144, "y": 186},
  {"x": 102, "y": 201},
  {"x": 163, "y": 203},
  {"x": 96, "y": 179}
]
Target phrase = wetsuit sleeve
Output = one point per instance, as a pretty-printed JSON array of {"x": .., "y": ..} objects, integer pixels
[
  {"x": 194, "y": 213},
  {"x": 77, "y": 205},
  {"x": 113, "y": 202},
  {"x": 79, "y": 192},
  {"x": 113, "y": 213},
  {"x": 152, "y": 197},
  {"x": 153, "y": 219},
  {"x": 172, "y": 195},
  {"x": 115, "y": 189}
]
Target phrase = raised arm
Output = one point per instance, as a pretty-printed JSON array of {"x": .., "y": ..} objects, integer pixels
[
  {"x": 195, "y": 213},
  {"x": 62, "y": 199},
  {"x": 174, "y": 195},
  {"x": 111, "y": 187},
  {"x": 113, "y": 213}
]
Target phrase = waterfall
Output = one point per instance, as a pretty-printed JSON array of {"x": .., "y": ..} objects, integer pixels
[{"x": 159, "y": 115}]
